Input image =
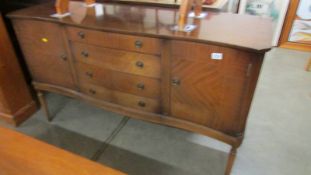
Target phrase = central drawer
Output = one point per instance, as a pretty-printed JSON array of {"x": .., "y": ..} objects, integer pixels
[
  {"x": 123, "y": 99},
  {"x": 123, "y": 82},
  {"x": 122, "y": 61}
]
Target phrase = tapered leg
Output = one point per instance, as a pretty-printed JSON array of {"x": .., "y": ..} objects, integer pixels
[
  {"x": 308, "y": 66},
  {"x": 44, "y": 105},
  {"x": 230, "y": 161}
]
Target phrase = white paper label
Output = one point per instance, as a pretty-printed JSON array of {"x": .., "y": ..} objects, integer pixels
[{"x": 217, "y": 56}]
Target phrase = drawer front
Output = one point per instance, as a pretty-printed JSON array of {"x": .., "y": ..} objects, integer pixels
[
  {"x": 137, "y": 102},
  {"x": 116, "y": 41},
  {"x": 95, "y": 91},
  {"x": 137, "y": 85},
  {"x": 93, "y": 74},
  {"x": 44, "y": 52},
  {"x": 123, "y": 99},
  {"x": 133, "y": 84},
  {"x": 122, "y": 61}
]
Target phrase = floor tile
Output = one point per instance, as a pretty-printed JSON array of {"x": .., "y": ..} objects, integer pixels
[
  {"x": 76, "y": 126},
  {"x": 278, "y": 137},
  {"x": 60, "y": 137},
  {"x": 80, "y": 117},
  {"x": 143, "y": 148},
  {"x": 87, "y": 120}
]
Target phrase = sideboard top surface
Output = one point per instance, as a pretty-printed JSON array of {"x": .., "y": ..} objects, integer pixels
[{"x": 238, "y": 31}]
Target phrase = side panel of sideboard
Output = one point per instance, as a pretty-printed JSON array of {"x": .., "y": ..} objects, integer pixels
[{"x": 45, "y": 52}]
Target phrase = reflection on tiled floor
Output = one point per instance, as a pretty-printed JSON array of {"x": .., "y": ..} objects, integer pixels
[
  {"x": 62, "y": 138},
  {"x": 76, "y": 127},
  {"x": 132, "y": 146},
  {"x": 143, "y": 148},
  {"x": 87, "y": 120}
]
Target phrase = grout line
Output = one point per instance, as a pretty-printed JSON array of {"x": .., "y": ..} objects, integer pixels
[{"x": 105, "y": 145}]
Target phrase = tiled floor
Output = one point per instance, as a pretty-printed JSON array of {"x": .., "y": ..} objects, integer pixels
[{"x": 277, "y": 140}]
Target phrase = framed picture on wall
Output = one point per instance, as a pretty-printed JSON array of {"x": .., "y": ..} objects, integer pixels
[
  {"x": 296, "y": 32},
  {"x": 273, "y": 9}
]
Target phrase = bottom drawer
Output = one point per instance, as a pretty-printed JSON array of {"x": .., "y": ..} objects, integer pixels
[{"x": 123, "y": 99}]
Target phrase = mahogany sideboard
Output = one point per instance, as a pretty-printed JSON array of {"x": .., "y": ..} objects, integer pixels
[
  {"x": 128, "y": 60},
  {"x": 16, "y": 102}
]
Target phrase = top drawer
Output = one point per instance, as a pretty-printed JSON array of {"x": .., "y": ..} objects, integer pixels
[{"x": 117, "y": 41}]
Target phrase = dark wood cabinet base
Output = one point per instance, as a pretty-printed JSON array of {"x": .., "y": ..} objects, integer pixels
[
  {"x": 16, "y": 103},
  {"x": 21, "y": 115}
]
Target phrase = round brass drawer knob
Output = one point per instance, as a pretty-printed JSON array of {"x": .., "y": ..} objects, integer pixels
[
  {"x": 89, "y": 74},
  {"x": 140, "y": 86},
  {"x": 63, "y": 57},
  {"x": 140, "y": 64},
  {"x": 138, "y": 44},
  {"x": 176, "y": 81},
  {"x": 81, "y": 35},
  {"x": 141, "y": 104},
  {"x": 85, "y": 54},
  {"x": 92, "y": 91}
]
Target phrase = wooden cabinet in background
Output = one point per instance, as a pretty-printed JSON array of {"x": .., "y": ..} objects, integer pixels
[
  {"x": 16, "y": 103},
  {"x": 130, "y": 63},
  {"x": 296, "y": 30}
]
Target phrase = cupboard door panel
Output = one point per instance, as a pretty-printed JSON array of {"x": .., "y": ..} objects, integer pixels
[
  {"x": 206, "y": 91},
  {"x": 44, "y": 52}
]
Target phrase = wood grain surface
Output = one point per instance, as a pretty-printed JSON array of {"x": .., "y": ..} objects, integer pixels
[
  {"x": 116, "y": 41},
  {"x": 47, "y": 58},
  {"x": 16, "y": 102},
  {"x": 209, "y": 90},
  {"x": 118, "y": 60},
  {"x": 238, "y": 31},
  {"x": 23, "y": 155}
]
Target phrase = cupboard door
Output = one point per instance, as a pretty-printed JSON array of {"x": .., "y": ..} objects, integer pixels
[
  {"x": 209, "y": 91},
  {"x": 44, "y": 50}
]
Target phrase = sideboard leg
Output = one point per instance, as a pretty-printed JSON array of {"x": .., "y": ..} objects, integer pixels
[
  {"x": 308, "y": 66},
  {"x": 43, "y": 104},
  {"x": 231, "y": 159}
]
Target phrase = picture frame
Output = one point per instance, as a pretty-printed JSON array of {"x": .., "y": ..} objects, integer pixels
[
  {"x": 285, "y": 41},
  {"x": 274, "y": 9}
]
